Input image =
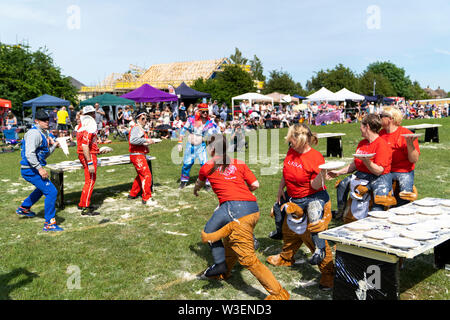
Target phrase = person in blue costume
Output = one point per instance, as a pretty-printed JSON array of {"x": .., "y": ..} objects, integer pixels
[
  {"x": 199, "y": 127},
  {"x": 36, "y": 147}
]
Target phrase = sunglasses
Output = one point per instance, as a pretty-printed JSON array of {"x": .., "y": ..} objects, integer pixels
[{"x": 385, "y": 116}]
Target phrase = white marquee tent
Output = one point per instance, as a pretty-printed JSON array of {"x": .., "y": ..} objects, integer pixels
[
  {"x": 345, "y": 94},
  {"x": 322, "y": 95},
  {"x": 250, "y": 96}
]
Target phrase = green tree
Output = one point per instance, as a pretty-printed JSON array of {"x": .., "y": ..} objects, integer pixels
[
  {"x": 282, "y": 82},
  {"x": 401, "y": 83},
  {"x": 237, "y": 57},
  {"x": 257, "y": 69},
  {"x": 25, "y": 75},
  {"x": 232, "y": 81},
  {"x": 417, "y": 92},
  {"x": 334, "y": 80},
  {"x": 383, "y": 85}
]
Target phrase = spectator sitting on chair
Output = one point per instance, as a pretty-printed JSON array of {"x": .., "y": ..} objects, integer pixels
[{"x": 11, "y": 121}]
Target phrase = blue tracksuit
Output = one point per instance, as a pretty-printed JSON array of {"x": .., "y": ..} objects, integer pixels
[
  {"x": 191, "y": 152},
  {"x": 29, "y": 171}
]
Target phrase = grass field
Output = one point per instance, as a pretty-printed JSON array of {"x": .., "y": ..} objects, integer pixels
[{"x": 136, "y": 252}]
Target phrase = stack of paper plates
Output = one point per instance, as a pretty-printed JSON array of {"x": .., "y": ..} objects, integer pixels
[
  {"x": 379, "y": 214},
  {"x": 426, "y": 203},
  {"x": 444, "y": 222},
  {"x": 418, "y": 235},
  {"x": 359, "y": 226},
  {"x": 425, "y": 227},
  {"x": 445, "y": 202},
  {"x": 403, "y": 243},
  {"x": 431, "y": 211},
  {"x": 379, "y": 234},
  {"x": 403, "y": 220},
  {"x": 403, "y": 210}
]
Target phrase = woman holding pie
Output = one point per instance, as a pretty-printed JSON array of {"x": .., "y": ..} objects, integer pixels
[
  {"x": 372, "y": 163},
  {"x": 405, "y": 153}
]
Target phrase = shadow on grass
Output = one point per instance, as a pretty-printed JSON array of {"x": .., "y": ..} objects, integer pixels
[
  {"x": 416, "y": 271},
  {"x": 308, "y": 274},
  {"x": 99, "y": 194},
  {"x": 202, "y": 250},
  {"x": 7, "y": 284}
]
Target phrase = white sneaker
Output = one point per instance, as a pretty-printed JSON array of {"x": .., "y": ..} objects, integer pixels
[{"x": 150, "y": 202}]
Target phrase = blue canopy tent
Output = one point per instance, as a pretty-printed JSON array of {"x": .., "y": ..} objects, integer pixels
[
  {"x": 378, "y": 99},
  {"x": 299, "y": 97},
  {"x": 45, "y": 100},
  {"x": 185, "y": 92}
]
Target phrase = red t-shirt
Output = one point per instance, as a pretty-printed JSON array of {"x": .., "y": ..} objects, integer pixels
[
  {"x": 382, "y": 158},
  {"x": 400, "y": 162},
  {"x": 299, "y": 169},
  {"x": 87, "y": 138},
  {"x": 230, "y": 185}
]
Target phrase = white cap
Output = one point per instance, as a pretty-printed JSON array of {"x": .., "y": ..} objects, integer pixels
[{"x": 88, "y": 109}]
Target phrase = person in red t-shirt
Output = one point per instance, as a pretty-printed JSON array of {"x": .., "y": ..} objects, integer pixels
[
  {"x": 405, "y": 153},
  {"x": 87, "y": 150},
  {"x": 138, "y": 149},
  {"x": 235, "y": 218},
  {"x": 306, "y": 192},
  {"x": 376, "y": 170}
]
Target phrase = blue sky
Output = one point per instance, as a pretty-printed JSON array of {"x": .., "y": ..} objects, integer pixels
[{"x": 297, "y": 36}]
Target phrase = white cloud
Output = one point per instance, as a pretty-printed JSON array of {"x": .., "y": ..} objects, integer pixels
[
  {"x": 26, "y": 13},
  {"x": 442, "y": 51}
]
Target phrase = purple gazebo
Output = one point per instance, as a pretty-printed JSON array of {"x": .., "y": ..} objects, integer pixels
[{"x": 147, "y": 93}]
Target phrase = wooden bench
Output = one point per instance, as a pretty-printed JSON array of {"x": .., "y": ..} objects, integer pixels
[
  {"x": 334, "y": 143},
  {"x": 431, "y": 131},
  {"x": 360, "y": 260},
  {"x": 57, "y": 171}
]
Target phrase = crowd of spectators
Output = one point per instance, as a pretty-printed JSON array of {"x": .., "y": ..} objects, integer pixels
[{"x": 166, "y": 120}]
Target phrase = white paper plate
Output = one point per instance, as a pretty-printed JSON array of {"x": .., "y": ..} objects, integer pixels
[
  {"x": 412, "y": 135},
  {"x": 445, "y": 202},
  {"x": 403, "y": 211},
  {"x": 430, "y": 211},
  {"x": 379, "y": 214},
  {"x": 331, "y": 165},
  {"x": 403, "y": 243},
  {"x": 359, "y": 226},
  {"x": 156, "y": 140},
  {"x": 369, "y": 155},
  {"x": 424, "y": 227},
  {"x": 379, "y": 234},
  {"x": 418, "y": 235},
  {"x": 404, "y": 220},
  {"x": 443, "y": 223},
  {"x": 426, "y": 203}
]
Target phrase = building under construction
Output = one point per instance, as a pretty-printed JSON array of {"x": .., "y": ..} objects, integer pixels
[{"x": 160, "y": 76}]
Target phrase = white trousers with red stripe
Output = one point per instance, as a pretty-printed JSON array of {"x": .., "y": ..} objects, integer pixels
[
  {"x": 143, "y": 180},
  {"x": 89, "y": 180}
]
